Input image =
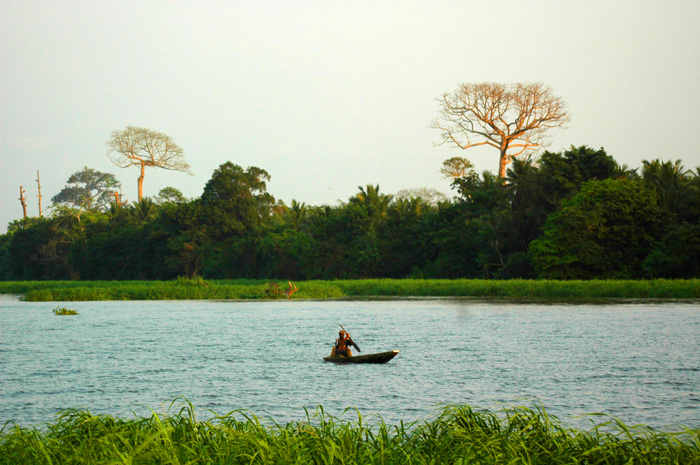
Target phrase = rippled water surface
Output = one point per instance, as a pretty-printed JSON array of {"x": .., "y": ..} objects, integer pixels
[{"x": 640, "y": 362}]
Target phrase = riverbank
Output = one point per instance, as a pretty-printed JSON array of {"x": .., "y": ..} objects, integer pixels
[
  {"x": 198, "y": 289},
  {"x": 460, "y": 434},
  {"x": 186, "y": 289}
]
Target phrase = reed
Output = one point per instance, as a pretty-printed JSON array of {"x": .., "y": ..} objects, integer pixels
[
  {"x": 184, "y": 289},
  {"x": 180, "y": 289},
  {"x": 521, "y": 288},
  {"x": 459, "y": 435}
]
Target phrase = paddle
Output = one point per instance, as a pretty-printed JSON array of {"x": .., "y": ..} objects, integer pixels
[{"x": 351, "y": 341}]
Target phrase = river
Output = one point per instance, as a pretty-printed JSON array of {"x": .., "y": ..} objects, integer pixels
[{"x": 634, "y": 360}]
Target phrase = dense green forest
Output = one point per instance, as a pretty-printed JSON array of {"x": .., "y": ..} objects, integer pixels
[{"x": 576, "y": 214}]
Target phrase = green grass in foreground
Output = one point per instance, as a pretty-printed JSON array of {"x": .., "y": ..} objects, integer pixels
[
  {"x": 459, "y": 435},
  {"x": 184, "y": 289}
]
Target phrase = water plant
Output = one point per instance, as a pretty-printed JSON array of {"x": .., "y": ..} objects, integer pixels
[
  {"x": 459, "y": 434},
  {"x": 64, "y": 311}
]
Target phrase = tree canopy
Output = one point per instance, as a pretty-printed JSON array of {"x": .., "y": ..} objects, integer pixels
[
  {"x": 88, "y": 189},
  {"x": 142, "y": 147},
  {"x": 235, "y": 199},
  {"x": 513, "y": 118},
  {"x": 606, "y": 230},
  {"x": 565, "y": 215}
]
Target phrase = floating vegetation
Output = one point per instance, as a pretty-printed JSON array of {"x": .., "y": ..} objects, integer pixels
[
  {"x": 459, "y": 435},
  {"x": 64, "y": 311}
]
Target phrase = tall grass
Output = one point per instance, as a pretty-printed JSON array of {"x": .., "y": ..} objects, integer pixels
[
  {"x": 521, "y": 288},
  {"x": 459, "y": 435},
  {"x": 180, "y": 289},
  {"x": 183, "y": 289}
]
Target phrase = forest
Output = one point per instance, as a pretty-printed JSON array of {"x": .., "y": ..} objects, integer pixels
[{"x": 576, "y": 214}]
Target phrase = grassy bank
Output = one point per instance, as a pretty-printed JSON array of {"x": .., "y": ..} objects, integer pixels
[
  {"x": 183, "y": 289},
  {"x": 460, "y": 435},
  {"x": 519, "y": 288}
]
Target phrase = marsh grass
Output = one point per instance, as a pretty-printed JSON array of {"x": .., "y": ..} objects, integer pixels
[
  {"x": 521, "y": 288},
  {"x": 179, "y": 289},
  {"x": 194, "y": 289},
  {"x": 64, "y": 311},
  {"x": 459, "y": 435},
  {"x": 194, "y": 281}
]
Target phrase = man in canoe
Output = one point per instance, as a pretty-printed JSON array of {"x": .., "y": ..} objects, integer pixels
[{"x": 342, "y": 345}]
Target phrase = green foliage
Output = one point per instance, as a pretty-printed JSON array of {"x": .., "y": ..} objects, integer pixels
[
  {"x": 536, "y": 223},
  {"x": 284, "y": 253},
  {"x": 235, "y": 200},
  {"x": 537, "y": 191},
  {"x": 198, "y": 288},
  {"x": 460, "y": 435},
  {"x": 194, "y": 281},
  {"x": 456, "y": 167},
  {"x": 87, "y": 190},
  {"x": 521, "y": 288},
  {"x": 677, "y": 190},
  {"x": 180, "y": 289},
  {"x": 517, "y": 266},
  {"x": 185, "y": 239},
  {"x": 144, "y": 210},
  {"x": 606, "y": 230},
  {"x": 33, "y": 247},
  {"x": 676, "y": 255},
  {"x": 295, "y": 215},
  {"x": 64, "y": 311},
  {"x": 170, "y": 195}
]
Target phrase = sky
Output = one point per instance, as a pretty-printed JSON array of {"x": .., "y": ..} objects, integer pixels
[{"x": 327, "y": 96}]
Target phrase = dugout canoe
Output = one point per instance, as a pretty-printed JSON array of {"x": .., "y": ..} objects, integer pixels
[{"x": 381, "y": 357}]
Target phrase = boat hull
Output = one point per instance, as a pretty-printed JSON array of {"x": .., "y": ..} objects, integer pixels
[{"x": 381, "y": 357}]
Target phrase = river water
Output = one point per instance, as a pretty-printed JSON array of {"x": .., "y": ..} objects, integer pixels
[{"x": 636, "y": 361}]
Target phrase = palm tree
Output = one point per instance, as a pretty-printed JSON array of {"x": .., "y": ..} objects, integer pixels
[
  {"x": 625, "y": 172},
  {"x": 409, "y": 206},
  {"x": 370, "y": 198},
  {"x": 672, "y": 183},
  {"x": 144, "y": 210},
  {"x": 296, "y": 213}
]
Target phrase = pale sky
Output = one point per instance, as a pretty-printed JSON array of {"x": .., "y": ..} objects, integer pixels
[{"x": 330, "y": 95}]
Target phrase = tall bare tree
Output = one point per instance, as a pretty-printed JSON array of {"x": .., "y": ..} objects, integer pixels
[
  {"x": 514, "y": 118},
  {"x": 142, "y": 147},
  {"x": 22, "y": 201},
  {"x": 38, "y": 182}
]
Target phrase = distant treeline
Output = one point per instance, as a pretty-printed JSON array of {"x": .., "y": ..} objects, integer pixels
[{"x": 570, "y": 215}]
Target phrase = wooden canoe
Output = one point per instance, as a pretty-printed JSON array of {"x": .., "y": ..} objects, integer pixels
[{"x": 381, "y": 357}]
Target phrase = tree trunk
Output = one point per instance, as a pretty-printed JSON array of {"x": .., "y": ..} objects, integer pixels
[
  {"x": 21, "y": 199},
  {"x": 143, "y": 174},
  {"x": 502, "y": 164},
  {"x": 38, "y": 181}
]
